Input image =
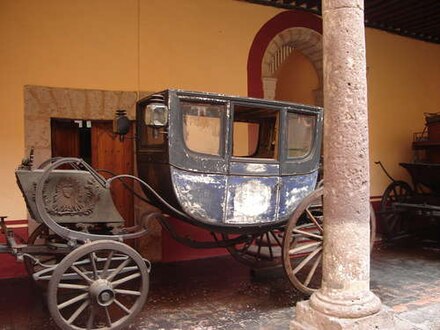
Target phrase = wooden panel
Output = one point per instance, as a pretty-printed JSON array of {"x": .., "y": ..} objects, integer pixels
[
  {"x": 111, "y": 154},
  {"x": 65, "y": 138}
]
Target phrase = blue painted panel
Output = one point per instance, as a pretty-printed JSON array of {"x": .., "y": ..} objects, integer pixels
[
  {"x": 252, "y": 200},
  {"x": 293, "y": 190},
  {"x": 247, "y": 168},
  {"x": 240, "y": 200},
  {"x": 201, "y": 196}
]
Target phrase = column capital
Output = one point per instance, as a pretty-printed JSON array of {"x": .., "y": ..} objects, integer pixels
[{"x": 338, "y": 4}]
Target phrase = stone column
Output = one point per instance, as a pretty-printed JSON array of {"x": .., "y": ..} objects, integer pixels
[{"x": 345, "y": 300}]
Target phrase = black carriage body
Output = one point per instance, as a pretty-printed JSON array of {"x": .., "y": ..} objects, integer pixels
[{"x": 206, "y": 181}]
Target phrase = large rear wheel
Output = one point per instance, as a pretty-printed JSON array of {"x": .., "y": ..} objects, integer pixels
[
  {"x": 395, "y": 219},
  {"x": 303, "y": 243}
]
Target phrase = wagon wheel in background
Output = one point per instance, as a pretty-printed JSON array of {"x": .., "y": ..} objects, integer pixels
[
  {"x": 100, "y": 284},
  {"x": 395, "y": 221},
  {"x": 260, "y": 250},
  {"x": 303, "y": 243},
  {"x": 44, "y": 237}
]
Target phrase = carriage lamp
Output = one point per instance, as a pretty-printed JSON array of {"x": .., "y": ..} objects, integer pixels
[
  {"x": 121, "y": 124},
  {"x": 156, "y": 115}
]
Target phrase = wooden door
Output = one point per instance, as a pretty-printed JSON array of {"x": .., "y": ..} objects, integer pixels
[
  {"x": 111, "y": 154},
  {"x": 103, "y": 150},
  {"x": 64, "y": 138}
]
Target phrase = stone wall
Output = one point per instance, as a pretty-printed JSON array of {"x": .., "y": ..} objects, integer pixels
[{"x": 44, "y": 103}]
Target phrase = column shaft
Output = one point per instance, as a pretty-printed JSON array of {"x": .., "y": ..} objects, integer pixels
[{"x": 346, "y": 258}]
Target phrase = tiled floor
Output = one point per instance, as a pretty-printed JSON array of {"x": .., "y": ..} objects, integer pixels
[{"x": 218, "y": 293}]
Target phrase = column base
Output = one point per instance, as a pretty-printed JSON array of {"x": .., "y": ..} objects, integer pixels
[{"x": 308, "y": 318}]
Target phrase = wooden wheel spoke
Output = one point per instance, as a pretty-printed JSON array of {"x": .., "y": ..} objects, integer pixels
[
  {"x": 304, "y": 247},
  {"x": 276, "y": 238},
  {"x": 73, "y": 286},
  {"x": 92, "y": 257},
  {"x": 245, "y": 247},
  {"x": 80, "y": 273},
  {"x": 80, "y": 309},
  {"x": 121, "y": 306},
  {"x": 107, "y": 264},
  {"x": 128, "y": 292},
  {"x": 307, "y": 234},
  {"x": 125, "y": 279},
  {"x": 91, "y": 318},
  {"x": 393, "y": 222},
  {"x": 306, "y": 260},
  {"x": 313, "y": 270},
  {"x": 118, "y": 269},
  {"x": 315, "y": 221},
  {"x": 107, "y": 317},
  {"x": 269, "y": 245},
  {"x": 260, "y": 242},
  {"x": 73, "y": 300}
]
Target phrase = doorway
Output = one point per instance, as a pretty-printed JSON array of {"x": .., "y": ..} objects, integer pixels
[{"x": 95, "y": 142}]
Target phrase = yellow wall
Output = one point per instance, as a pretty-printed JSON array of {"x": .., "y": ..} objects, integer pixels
[
  {"x": 297, "y": 79},
  {"x": 403, "y": 83},
  {"x": 191, "y": 44}
]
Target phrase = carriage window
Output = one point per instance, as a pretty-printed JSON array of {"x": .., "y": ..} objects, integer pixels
[
  {"x": 202, "y": 126},
  {"x": 255, "y": 132},
  {"x": 300, "y": 129}
]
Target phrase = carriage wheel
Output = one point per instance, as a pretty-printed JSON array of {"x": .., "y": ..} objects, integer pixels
[
  {"x": 43, "y": 236},
  {"x": 303, "y": 243},
  {"x": 396, "y": 222},
  {"x": 260, "y": 251},
  {"x": 102, "y": 284}
]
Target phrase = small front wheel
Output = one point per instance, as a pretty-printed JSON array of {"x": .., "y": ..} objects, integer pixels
[{"x": 102, "y": 284}]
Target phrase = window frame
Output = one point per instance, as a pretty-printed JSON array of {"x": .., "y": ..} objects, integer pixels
[
  {"x": 223, "y": 124},
  {"x": 312, "y": 142},
  {"x": 244, "y": 159}
]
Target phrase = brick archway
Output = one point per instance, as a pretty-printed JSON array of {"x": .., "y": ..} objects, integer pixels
[{"x": 273, "y": 43}]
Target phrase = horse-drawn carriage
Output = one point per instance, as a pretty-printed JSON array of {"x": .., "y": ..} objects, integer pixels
[
  {"x": 244, "y": 169},
  {"x": 404, "y": 204}
]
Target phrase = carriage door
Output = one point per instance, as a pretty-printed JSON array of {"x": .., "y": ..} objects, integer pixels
[
  {"x": 95, "y": 142},
  {"x": 254, "y": 166}
]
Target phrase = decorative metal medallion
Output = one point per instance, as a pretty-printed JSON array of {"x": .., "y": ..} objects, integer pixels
[{"x": 68, "y": 196}]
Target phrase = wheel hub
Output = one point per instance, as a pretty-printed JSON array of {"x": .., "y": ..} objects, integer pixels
[{"x": 101, "y": 292}]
